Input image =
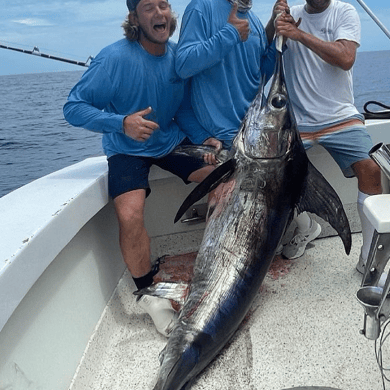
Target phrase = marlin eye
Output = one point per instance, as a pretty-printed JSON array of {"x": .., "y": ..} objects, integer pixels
[{"x": 278, "y": 101}]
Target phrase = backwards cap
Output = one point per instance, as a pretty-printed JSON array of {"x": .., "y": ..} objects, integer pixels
[{"x": 132, "y": 4}]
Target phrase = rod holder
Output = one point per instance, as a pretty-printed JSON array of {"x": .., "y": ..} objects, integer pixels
[
  {"x": 380, "y": 153},
  {"x": 370, "y": 298}
]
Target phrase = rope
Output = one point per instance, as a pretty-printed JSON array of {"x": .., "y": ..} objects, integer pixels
[{"x": 382, "y": 114}]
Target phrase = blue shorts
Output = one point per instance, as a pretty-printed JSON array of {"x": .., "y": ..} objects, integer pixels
[
  {"x": 129, "y": 173},
  {"x": 347, "y": 146}
]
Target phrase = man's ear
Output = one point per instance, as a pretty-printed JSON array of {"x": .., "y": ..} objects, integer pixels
[{"x": 133, "y": 19}]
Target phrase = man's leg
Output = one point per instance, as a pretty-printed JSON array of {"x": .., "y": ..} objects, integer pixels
[
  {"x": 200, "y": 174},
  {"x": 369, "y": 183},
  {"x": 135, "y": 246},
  {"x": 128, "y": 185},
  {"x": 133, "y": 238}
]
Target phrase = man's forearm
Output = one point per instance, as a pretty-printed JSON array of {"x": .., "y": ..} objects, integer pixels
[{"x": 340, "y": 53}]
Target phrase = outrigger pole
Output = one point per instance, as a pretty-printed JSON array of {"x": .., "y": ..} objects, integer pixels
[
  {"x": 36, "y": 52},
  {"x": 374, "y": 18}
]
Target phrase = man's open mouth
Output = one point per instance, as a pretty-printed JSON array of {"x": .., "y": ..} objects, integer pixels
[{"x": 160, "y": 27}]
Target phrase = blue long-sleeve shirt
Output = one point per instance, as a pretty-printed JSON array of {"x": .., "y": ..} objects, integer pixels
[
  {"x": 226, "y": 73},
  {"x": 123, "y": 79}
]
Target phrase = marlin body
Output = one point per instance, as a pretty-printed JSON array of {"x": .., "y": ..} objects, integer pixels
[{"x": 266, "y": 177}]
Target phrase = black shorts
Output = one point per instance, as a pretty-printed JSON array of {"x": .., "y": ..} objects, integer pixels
[{"x": 128, "y": 173}]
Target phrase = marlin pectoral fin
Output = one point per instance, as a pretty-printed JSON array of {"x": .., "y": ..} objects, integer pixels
[
  {"x": 168, "y": 290},
  {"x": 320, "y": 198},
  {"x": 216, "y": 177}
]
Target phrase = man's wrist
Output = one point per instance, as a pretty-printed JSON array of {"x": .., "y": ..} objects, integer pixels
[{"x": 123, "y": 124}]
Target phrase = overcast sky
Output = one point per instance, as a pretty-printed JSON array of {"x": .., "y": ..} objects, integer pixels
[{"x": 77, "y": 29}]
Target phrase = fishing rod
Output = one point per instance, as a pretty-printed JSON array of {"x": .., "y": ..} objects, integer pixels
[
  {"x": 35, "y": 51},
  {"x": 374, "y": 18}
]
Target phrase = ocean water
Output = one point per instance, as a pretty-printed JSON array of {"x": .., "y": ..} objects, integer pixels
[{"x": 35, "y": 140}]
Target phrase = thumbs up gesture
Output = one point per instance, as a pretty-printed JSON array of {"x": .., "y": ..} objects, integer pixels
[
  {"x": 241, "y": 25},
  {"x": 138, "y": 127}
]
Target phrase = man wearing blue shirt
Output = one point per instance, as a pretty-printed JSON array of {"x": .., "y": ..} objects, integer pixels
[
  {"x": 228, "y": 54},
  {"x": 130, "y": 93}
]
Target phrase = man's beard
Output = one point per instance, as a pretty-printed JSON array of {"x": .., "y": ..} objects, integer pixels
[{"x": 243, "y": 5}]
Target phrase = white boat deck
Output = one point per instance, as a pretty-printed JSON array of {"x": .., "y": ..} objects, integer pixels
[
  {"x": 303, "y": 330},
  {"x": 60, "y": 263}
]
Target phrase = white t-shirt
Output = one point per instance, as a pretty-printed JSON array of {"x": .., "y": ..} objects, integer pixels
[{"x": 321, "y": 93}]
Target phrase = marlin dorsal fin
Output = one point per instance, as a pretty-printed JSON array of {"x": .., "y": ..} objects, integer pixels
[{"x": 320, "y": 198}]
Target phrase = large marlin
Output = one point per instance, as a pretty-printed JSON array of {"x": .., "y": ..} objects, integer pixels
[{"x": 266, "y": 177}]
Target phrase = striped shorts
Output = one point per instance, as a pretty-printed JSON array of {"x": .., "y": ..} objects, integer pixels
[{"x": 347, "y": 142}]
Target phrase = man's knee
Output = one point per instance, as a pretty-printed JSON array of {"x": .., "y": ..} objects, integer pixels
[
  {"x": 368, "y": 174},
  {"x": 129, "y": 208}
]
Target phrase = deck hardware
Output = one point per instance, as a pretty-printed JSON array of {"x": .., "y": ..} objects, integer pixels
[{"x": 197, "y": 214}]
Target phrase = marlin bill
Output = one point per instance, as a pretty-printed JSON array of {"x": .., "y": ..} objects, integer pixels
[{"x": 265, "y": 177}]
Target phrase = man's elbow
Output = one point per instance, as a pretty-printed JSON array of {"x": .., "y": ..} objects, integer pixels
[
  {"x": 181, "y": 68},
  {"x": 66, "y": 111},
  {"x": 70, "y": 114},
  {"x": 341, "y": 60},
  {"x": 347, "y": 64},
  {"x": 347, "y": 54}
]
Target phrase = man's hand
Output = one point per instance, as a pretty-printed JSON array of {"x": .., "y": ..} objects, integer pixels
[
  {"x": 241, "y": 25},
  {"x": 279, "y": 8},
  {"x": 137, "y": 127},
  {"x": 285, "y": 25},
  {"x": 210, "y": 158}
]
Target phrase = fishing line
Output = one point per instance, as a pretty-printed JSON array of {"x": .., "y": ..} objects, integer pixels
[{"x": 379, "y": 356}]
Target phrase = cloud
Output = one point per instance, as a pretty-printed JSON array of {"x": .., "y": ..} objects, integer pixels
[{"x": 34, "y": 22}]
